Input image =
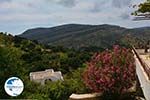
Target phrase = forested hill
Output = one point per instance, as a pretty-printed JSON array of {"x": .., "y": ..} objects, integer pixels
[
  {"x": 19, "y": 57},
  {"x": 77, "y": 35}
]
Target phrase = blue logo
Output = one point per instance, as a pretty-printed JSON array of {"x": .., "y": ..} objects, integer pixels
[{"x": 14, "y": 86}]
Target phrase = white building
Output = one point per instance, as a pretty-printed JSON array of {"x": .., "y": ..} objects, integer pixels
[{"x": 48, "y": 74}]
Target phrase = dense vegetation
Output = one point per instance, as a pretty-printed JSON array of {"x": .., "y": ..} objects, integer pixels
[{"x": 19, "y": 57}]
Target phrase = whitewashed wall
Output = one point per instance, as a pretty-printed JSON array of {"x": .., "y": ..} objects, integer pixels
[{"x": 143, "y": 79}]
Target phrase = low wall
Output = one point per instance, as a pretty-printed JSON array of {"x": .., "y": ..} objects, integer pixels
[
  {"x": 143, "y": 79},
  {"x": 93, "y": 96}
]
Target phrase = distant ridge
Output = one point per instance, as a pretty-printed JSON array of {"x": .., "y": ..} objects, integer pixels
[{"x": 78, "y": 35}]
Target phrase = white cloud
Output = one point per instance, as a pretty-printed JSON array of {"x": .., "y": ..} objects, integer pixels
[
  {"x": 121, "y": 3},
  {"x": 28, "y": 13}
]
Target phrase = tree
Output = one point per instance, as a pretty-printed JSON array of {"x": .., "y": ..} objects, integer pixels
[
  {"x": 10, "y": 65},
  {"x": 143, "y": 11}
]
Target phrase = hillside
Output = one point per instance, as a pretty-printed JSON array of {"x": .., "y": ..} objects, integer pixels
[
  {"x": 77, "y": 36},
  {"x": 19, "y": 57}
]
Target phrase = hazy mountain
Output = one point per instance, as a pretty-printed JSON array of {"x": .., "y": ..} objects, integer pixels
[{"x": 77, "y": 35}]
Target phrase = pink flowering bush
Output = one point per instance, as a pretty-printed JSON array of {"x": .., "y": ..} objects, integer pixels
[{"x": 110, "y": 71}]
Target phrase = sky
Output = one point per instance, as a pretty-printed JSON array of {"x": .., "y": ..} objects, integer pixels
[{"x": 16, "y": 16}]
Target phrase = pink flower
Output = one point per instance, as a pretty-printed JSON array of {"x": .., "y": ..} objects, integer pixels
[{"x": 109, "y": 70}]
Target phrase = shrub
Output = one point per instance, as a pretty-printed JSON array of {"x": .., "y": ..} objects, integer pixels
[
  {"x": 61, "y": 90},
  {"x": 110, "y": 71}
]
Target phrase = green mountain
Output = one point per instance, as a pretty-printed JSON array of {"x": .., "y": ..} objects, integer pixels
[{"x": 82, "y": 36}]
